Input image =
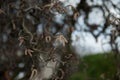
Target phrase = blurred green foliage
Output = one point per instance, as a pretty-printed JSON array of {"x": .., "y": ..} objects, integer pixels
[{"x": 96, "y": 67}]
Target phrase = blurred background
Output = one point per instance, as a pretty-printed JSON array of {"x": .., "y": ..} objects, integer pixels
[{"x": 89, "y": 46}]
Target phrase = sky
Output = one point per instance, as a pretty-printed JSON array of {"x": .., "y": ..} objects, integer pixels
[{"x": 83, "y": 42}]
